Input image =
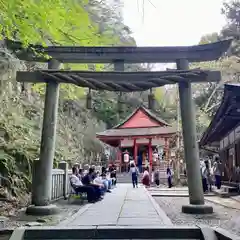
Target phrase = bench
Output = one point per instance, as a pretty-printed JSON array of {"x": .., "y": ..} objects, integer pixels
[{"x": 81, "y": 196}]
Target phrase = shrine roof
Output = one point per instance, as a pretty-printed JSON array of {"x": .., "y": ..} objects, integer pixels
[
  {"x": 136, "y": 132},
  {"x": 151, "y": 119},
  {"x": 227, "y": 116}
]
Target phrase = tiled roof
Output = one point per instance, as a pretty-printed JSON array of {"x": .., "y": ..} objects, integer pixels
[
  {"x": 125, "y": 132},
  {"x": 226, "y": 118},
  {"x": 151, "y": 114}
]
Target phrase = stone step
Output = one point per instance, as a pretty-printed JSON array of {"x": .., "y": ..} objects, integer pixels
[
  {"x": 230, "y": 189},
  {"x": 225, "y": 194}
]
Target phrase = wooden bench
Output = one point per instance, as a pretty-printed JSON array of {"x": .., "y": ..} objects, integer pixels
[{"x": 73, "y": 194}]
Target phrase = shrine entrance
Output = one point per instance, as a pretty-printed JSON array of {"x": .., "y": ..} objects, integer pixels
[
  {"x": 119, "y": 81},
  {"x": 141, "y": 135}
]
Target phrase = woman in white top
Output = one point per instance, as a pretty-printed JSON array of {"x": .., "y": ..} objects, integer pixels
[{"x": 217, "y": 173}]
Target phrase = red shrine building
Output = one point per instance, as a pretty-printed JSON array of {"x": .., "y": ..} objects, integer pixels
[{"x": 140, "y": 135}]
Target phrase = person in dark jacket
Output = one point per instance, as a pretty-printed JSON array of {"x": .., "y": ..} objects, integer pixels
[
  {"x": 87, "y": 180},
  {"x": 169, "y": 177}
]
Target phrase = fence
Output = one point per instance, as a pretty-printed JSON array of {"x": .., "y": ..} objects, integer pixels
[{"x": 60, "y": 182}]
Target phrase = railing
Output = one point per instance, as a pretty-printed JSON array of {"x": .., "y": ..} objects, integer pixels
[
  {"x": 60, "y": 182},
  {"x": 57, "y": 183}
]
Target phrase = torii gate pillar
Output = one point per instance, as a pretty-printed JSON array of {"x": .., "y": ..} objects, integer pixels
[
  {"x": 42, "y": 168},
  {"x": 196, "y": 195}
]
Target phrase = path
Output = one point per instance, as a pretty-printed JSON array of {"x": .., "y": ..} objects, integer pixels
[
  {"x": 125, "y": 206},
  {"x": 172, "y": 192},
  {"x": 232, "y": 202}
]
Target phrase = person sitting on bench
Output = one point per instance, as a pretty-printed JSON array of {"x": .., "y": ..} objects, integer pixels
[
  {"x": 106, "y": 181},
  {"x": 92, "y": 195},
  {"x": 80, "y": 173},
  {"x": 113, "y": 176},
  {"x": 87, "y": 180}
]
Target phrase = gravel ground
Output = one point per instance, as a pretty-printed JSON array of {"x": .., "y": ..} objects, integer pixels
[
  {"x": 66, "y": 210},
  {"x": 223, "y": 217}
]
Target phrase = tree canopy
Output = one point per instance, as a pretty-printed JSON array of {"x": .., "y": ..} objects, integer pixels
[{"x": 60, "y": 22}]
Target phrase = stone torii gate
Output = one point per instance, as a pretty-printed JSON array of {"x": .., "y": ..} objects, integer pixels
[{"x": 122, "y": 82}]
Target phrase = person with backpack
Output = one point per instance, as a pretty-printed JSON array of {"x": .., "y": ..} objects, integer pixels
[{"x": 134, "y": 172}]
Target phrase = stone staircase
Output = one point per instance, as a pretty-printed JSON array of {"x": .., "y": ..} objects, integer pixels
[{"x": 126, "y": 177}]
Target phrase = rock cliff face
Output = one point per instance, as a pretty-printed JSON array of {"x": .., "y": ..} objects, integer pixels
[{"x": 21, "y": 115}]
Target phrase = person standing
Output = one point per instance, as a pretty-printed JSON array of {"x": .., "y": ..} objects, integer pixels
[
  {"x": 208, "y": 176},
  {"x": 204, "y": 177},
  {"x": 146, "y": 178},
  {"x": 156, "y": 177},
  {"x": 169, "y": 177},
  {"x": 134, "y": 173},
  {"x": 217, "y": 173}
]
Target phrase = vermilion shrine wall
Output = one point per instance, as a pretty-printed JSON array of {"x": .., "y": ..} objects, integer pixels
[{"x": 130, "y": 142}]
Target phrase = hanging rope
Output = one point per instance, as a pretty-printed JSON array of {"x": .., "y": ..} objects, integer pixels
[{"x": 116, "y": 81}]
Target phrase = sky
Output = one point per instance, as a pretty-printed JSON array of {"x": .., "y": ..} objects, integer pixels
[{"x": 172, "y": 22}]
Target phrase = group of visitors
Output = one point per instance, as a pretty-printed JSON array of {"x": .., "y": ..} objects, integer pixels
[
  {"x": 211, "y": 175},
  {"x": 146, "y": 179},
  {"x": 94, "y": 184}
]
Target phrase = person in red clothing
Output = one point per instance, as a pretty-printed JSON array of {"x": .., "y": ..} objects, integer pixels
[{"x": 146, "y": 178}]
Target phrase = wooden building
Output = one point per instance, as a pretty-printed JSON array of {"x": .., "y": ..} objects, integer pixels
[
  {"x": 139, "y": 134},
  {"x": 224, "y": 131}
]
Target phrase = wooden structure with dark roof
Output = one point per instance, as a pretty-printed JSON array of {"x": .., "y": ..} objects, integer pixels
[
  {"x": 224, "y": 130},
  {"x": 121, "y": 82},
  {"x": 227, "y": 116},
  {"x": 141, "y": 128}
]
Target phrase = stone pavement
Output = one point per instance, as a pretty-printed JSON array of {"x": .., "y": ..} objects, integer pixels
[
  {"x": 125, "y": 206},
  {"x": 232, "y": 202},
  {"x": 225, "y": 202},
  {"x": 172, "y": 192}
]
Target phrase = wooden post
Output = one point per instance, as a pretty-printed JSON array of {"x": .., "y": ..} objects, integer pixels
[
  {"x": 47, "y": 149},
  {"x": 196, "y": 196},
  {"x": 150, "y": 154},
  {"x": 135, "y": 154},
  {"x": 64, "y": 166},
  {"x": 119, "y": 156},
  {"x": 166, "y": 147},
  {"x": 119, "y": 67}
]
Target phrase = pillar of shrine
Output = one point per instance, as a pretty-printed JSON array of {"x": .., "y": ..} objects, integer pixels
[
  {"x": 135, "y": 151},
  {"x": 191, "y": 154},
  {"x": 150, "y": 155},
  {"x": 42, "y": 168}
]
